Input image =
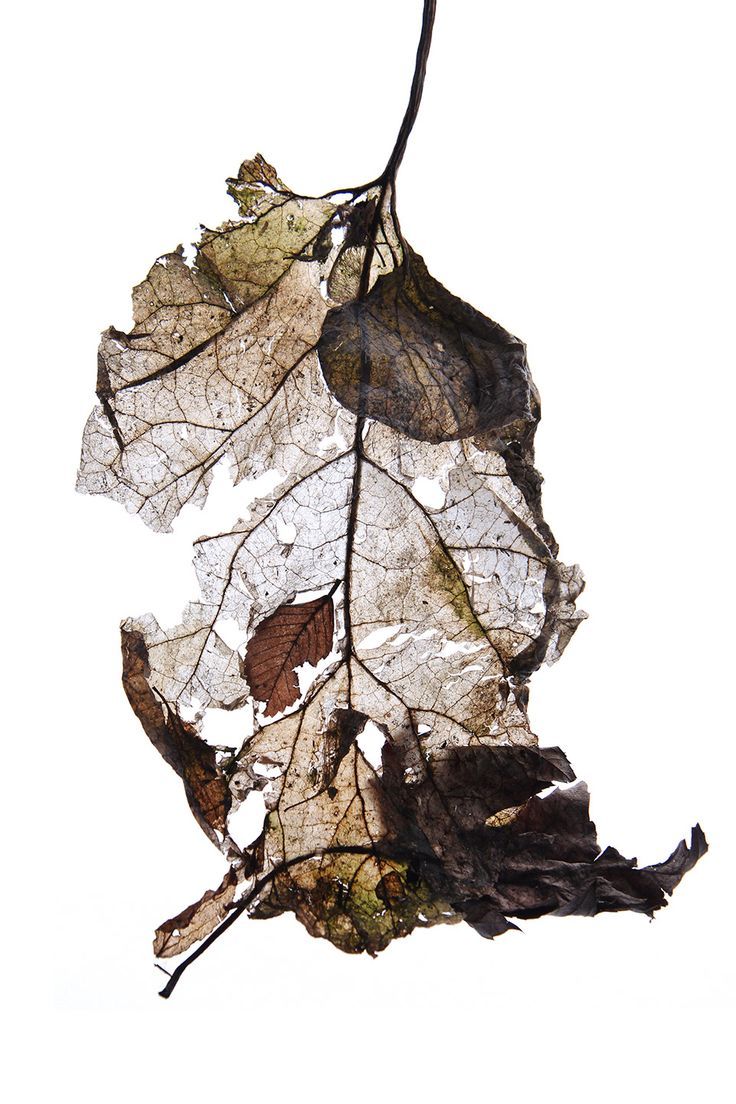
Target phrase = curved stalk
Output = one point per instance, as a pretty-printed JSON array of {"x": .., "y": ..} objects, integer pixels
[{"x": 415, "y": 96}]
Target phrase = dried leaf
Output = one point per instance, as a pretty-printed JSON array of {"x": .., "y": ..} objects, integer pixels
[
  {"x": 290, "y": 637},
  {"x": 179, "y": 743},
  {"x": 425, "y": 362},
  {"x": 393, "y": 594},
  {"x": 197, "y": 921}
]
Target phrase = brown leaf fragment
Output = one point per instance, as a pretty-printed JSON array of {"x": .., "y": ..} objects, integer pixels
[
  {"x": 193, "y": 760},
  {"x": 485, "y": 918},
  {"x": 176, "y": 309},
  {"x": 197, "y": 921},
  {"x": 669, "y": 873},
  {"x": 295, "y": 634},
  {"x": 550, "y": 862},
  {"x": 254, "y": 171},
  {"x": 340, "y": 734},
  {"x": 414, "y": 356},
  {"x": 479, "y": 781}
]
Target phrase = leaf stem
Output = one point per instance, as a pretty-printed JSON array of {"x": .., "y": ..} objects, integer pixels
[
  {"x": 388, "y": 176},
  {"x": 242, "y": 906},
  {"x": 415, "y": 96}
]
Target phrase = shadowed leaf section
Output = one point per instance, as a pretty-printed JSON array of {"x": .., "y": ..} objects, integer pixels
[{"x": 414, "y": 356}]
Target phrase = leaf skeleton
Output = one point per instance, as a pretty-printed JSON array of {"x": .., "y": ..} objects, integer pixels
[{"x": 397, "y": 582}]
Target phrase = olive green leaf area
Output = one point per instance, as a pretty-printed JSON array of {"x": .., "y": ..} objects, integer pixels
[{"x": 371, "y": 621}]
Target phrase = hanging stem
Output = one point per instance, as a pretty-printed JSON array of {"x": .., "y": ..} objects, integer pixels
[
  {"x": 387, "y": 179},
  {"x": 415, "y": 96}
]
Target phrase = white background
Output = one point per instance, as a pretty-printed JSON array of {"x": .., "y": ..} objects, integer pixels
[{"x": 571, "y": 174}]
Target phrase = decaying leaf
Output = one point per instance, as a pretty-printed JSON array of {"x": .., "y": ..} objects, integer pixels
[
  {"x": 178, "y": 934},
  {"x": 178, "y": 742},
  {"x": 291, "y": 636},
  {"x": 422, "y": 360},
  {"x": 392, "y": 594}
]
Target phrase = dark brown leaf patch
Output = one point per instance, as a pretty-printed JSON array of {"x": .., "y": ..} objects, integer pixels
[
  {"x": 419, "y": 359},
  {"x": 193, "y": 760},
  {"x": 479, "y": 781},
  {"x": 551, "y": 863},
  {"x": 293, "y": 635},
  {"x": 339, "y": 736}
]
